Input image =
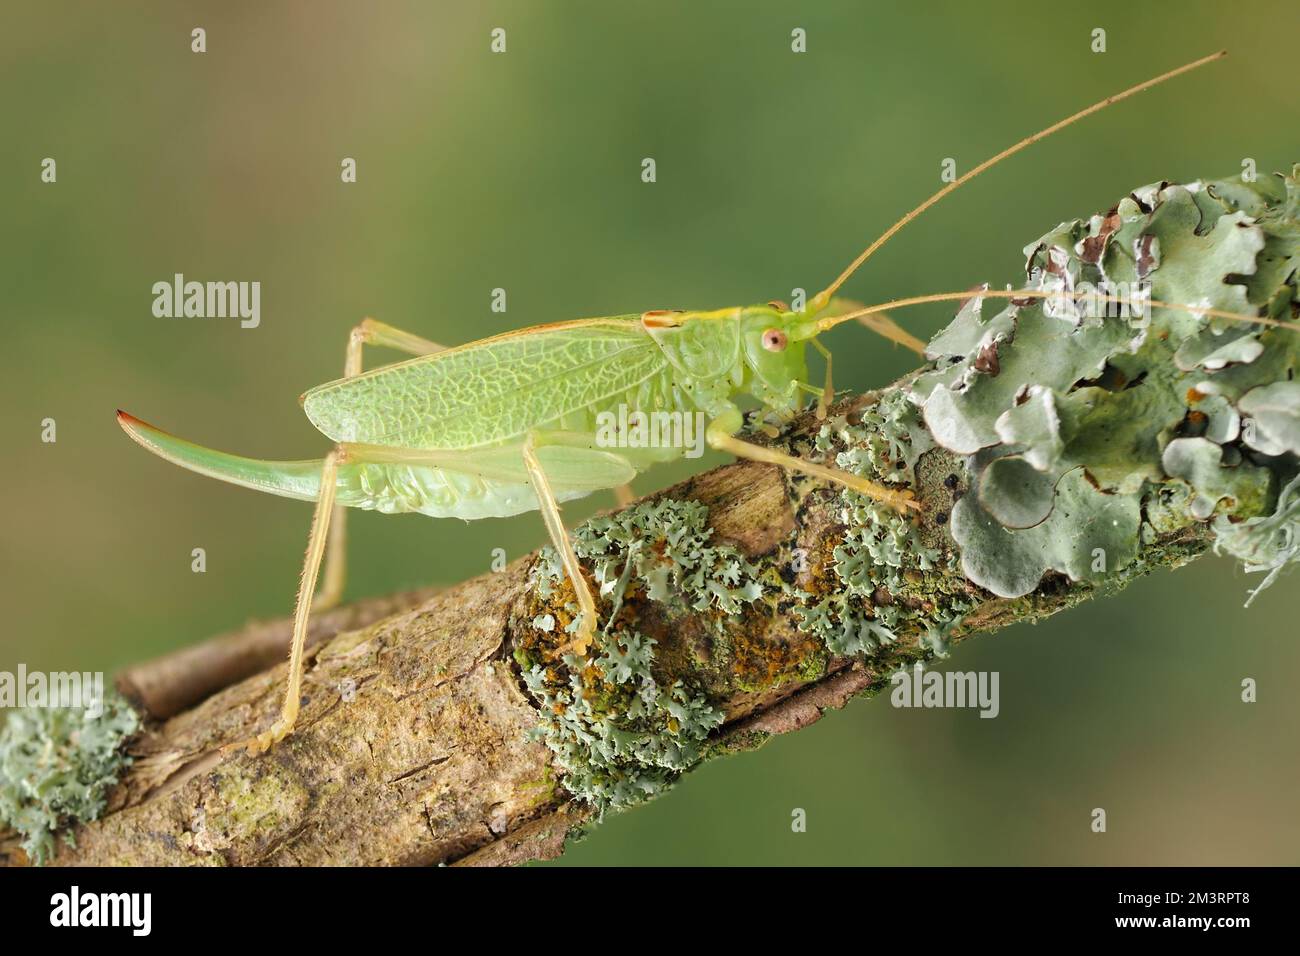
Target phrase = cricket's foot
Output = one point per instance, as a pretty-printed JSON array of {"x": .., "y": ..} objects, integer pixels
[
  {"x": 901, "y": 500},
  {"x": 580, "y": 643},
  {"x": 262, "y": 742}
]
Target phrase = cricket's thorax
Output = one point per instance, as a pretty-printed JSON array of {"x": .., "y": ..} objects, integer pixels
[{"x": 751, "y": 350}]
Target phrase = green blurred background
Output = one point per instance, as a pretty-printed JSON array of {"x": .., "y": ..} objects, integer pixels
[{"x": 522, "y": 171}]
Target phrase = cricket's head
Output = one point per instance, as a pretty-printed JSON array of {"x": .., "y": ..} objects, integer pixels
[
  {"x": 774, "y": 354},
  {"x": 756, "y": 349}
]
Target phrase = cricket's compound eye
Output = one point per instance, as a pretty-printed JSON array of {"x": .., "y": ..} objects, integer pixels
[{"x": 774, "y": 340}]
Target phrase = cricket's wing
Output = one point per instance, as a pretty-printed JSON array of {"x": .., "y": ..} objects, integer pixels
[{"x": 490, "y": 391}]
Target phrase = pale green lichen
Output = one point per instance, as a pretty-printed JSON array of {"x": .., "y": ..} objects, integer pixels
[
  {"x": 57, "y": 765},
  {"x": 1219, "y": 479},
  {"x": 1272, "y": 418},
  {"x": 890, "y": 580},
  {"x": 1265, "y": 544},
  {"x": 1076, "y": 417},
  {"x": 1088, "y": 536},
  {"x": 618, "y": 735},
  {"x": 244, "y": 806},
  {"x": 662, "y": 545}
]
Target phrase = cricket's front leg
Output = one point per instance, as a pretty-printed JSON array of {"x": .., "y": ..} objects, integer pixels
[
  {"x": 302, "y": 612},
  {"x": 550, "y": 509},
  {"x": 721, "y": 434},
  {"x": 828, "y": 390}
]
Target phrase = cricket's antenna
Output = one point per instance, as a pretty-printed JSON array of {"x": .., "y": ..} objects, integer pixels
[
  {"x": 822, "y": 298},
  {"x": 821, "y": 325}
]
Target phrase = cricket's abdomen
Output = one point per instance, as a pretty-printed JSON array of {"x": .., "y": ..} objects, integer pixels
[{"x": 437, "y": 492}]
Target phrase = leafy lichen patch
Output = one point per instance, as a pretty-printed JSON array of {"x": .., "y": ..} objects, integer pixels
[
  {"x": 57, "y": 765},
  {"x": 1088, "y": 536},
  {"x": 662, "y": 546},
  {"x": 892, "y": 580},
  {"x": 619, "y": 736},
  {"x": 1076, "y": 414},
  {"x": 1264, "y": 544},
  {"x": 618, "y": 731}
]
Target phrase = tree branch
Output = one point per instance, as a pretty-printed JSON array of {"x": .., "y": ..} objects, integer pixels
[{"x": 411, "y": 747}]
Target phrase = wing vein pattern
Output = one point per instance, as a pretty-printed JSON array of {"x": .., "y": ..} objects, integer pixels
[{"x": 491, "y": 391}]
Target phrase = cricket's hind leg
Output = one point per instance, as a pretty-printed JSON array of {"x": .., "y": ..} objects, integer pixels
[
  {"x": 320, "y": 523},
  {"x": 721, "y": 434},
  {"x": 373, "y": 332},
  {"x": 367, "y": 332},
  {"x": 581, "y": 466}
]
